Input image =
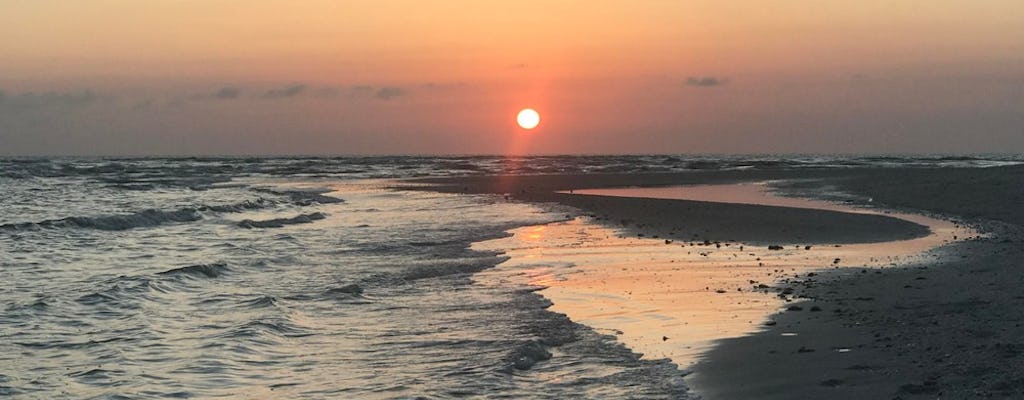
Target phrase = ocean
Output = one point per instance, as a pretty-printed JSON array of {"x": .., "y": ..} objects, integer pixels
[{"x": 303, "y": 277}]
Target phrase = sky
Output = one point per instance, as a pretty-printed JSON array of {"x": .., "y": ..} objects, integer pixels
[{"x": 263, "y": 77}]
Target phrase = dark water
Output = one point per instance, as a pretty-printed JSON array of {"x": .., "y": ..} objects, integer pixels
[{"x": 298, "y": 278}]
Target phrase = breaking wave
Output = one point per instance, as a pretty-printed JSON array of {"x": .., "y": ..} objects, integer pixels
[
  {"x": 145, "y": 218},
  {"x": 303, "y": 197},
  {"x": 141, "y": 219},
  {"x": 281, "y": 222},
  {"x": 206, "y": 270}
]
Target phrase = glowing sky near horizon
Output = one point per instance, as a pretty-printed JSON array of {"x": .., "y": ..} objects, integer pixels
[{"x": 401, "y": 77}]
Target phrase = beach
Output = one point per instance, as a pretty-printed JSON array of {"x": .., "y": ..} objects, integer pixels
[
  {"x": 546, "y": 277},
  {"x": 395, "y": 200},
  {"x": 943, "y": 323}
]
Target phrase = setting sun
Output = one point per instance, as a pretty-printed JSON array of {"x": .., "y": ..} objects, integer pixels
[
  {"x": 528, "y": 118},
  {"x": 359, "y": 196}
]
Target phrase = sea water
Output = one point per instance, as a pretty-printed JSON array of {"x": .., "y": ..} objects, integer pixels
[{"x": 299, "y": 278}]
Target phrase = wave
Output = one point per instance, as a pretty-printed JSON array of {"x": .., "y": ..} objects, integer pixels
[
  {"x": 347, "y": 290},
  {"x": 145, "y": 218},
  {"x": 303, "y": 197},
  {"x": 280, "y": 327},
  {"x": 281, "y": 222},
  {"x": 348, "y": 294},
  {"x": 158, "y": 179},
  {"x": 460, "y": 166},
  {"x": 38, "y": 305},
  {"x": 214, "y": 270},
  {"x": 206, "y": 173},
  {"x": 260, "y": 302},
  {"x": 123, "y": 292},
  {"x": 257, "y": 204},
  {"x": 71, "y": 345},
  {"x": 441, "y": 269},
  {"x": 129, "y": 292},
  {"x": 529, "y": 354}
]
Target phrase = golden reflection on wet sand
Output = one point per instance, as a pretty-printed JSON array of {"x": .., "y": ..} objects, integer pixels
[{"x": 671, "y": 299}]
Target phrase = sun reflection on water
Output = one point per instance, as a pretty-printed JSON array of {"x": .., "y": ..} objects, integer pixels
[{"x": 673, "y": 299}]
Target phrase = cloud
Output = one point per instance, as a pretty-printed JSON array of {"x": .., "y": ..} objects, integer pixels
[
  {"x": 379, "y": 93},
  {"x": 47, "y": 100},
  {"x": 707, "y": 81},
  {"x": 285, "y": 92},
  {"x": 224, "y": 93},
  {"x": 361, "y": 91},
  {"x": 390, "y": 92},
  {"x": 328, "y": 92},
  {"x": 445, "y": 86},
  {"x": 228, "y": 93}
]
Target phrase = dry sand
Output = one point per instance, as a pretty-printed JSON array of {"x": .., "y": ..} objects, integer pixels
[{"x": 946, "y": 326}]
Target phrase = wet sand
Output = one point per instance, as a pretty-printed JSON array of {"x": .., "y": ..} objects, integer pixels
[
  {"x": 947, "y": 325},
  {"x": 669, "y": 299},
  {"x": 687, "y": 219},
  {"x": 947, "y": 328}
]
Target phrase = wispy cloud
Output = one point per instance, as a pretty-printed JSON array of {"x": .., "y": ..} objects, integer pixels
[
  {"x": 228, "y": 93},
  {"x": 53, "y": 101},
  {"x": 445, "y": 85},
  {"x": 706, "y": 81},
  {"x": 385, "y": 93},
  {"x": 285, "y": 92},
  {"x": 390, "y": 92},
  {"x": 379, "y": 93}
]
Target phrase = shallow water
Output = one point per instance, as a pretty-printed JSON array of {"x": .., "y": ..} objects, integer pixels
[
  {"x": 178, "y": 292},
  {"x": 668, "y": 299},
  {"x": 740, "y": 193}
]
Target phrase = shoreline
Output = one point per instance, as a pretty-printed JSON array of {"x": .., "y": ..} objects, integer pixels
[
  {"x": 986, "y": 321},
  {"x": 668, "y": 299},
  {"x": 687, "y": 219}
]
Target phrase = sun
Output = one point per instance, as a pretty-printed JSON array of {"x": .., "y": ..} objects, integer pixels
[{"x": 528, "y": 118}]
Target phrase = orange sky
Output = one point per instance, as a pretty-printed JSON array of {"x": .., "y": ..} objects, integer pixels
[{"x": 320, "y": 76}]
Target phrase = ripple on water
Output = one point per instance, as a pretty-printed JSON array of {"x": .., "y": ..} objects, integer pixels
[{"x": 376, "y": 299}]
